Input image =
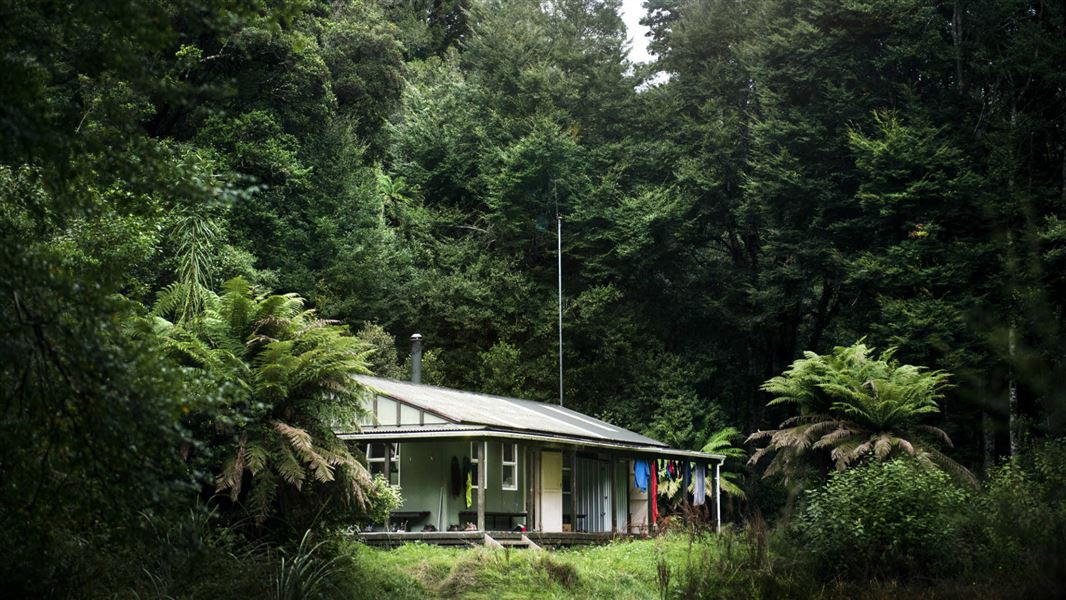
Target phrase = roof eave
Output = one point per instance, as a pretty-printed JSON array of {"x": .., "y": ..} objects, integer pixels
[{"x": 370, "y": 435}]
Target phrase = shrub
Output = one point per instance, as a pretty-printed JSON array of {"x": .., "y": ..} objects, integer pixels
[
  {"x": 885, "y": 519},
  {"x": 383, "y": 499},
  {"x": 1020, "y": 519}
]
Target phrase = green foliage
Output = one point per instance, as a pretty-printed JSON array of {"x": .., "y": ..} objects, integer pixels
[
  {"x": 291, "y": 377},
  {"x": 1020, "y": 519},
  {"x": 721, "y": 442},
  {"x": 502, "y": 371},
  {"x": 382, "y": 499},
  {"x": 88, "y": 416},
  {"x": 885, "y": 519},
  {"x": 808, "y": 174},
  {"x": 728, "y": 566},
  {"x": 854, "y": 407},
  {"x": 188, "y": 555},
  {"x": 383, "y": 361},
  {"x": 304, "y": 574}
]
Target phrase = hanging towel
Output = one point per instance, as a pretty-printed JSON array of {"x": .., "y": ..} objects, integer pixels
[
  {"x": 699, "y": 485},
  {"x": 457, "y": 477},
  {"x": 469, "y": 488},
  {"x": 640, "y": 474},
  {"x": 654, "y": 496}
]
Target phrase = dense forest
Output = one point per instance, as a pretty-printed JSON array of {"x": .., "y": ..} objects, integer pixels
[{"x": 212, "y": 213}]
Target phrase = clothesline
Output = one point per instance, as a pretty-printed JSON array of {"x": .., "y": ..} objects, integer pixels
[{"x": 645, "y": 475}]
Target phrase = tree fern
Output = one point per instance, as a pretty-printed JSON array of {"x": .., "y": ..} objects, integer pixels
[
  {"x": 289, "y": 372},
  {"x": 853, "y": 407}
]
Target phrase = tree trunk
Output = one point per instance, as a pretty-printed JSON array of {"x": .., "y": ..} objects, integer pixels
[
  {"x": 1012, "y": 397},
  {"x": 988, "y": 435},
  {"x": 1062, "y": 152},
  {"x": 956, "y": 38},
  {"x": 1012, "y": 264}
]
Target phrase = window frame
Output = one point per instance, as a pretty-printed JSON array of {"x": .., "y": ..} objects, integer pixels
[
  {"x": 505, "y": 464},
  {"x": 394, "y": 462},
  {"x": 475, "y": 472}
]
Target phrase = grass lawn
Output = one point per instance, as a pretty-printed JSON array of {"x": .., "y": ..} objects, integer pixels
[
  {"x": 619, "y": 570},
  {"x": 723, "y": 566}
]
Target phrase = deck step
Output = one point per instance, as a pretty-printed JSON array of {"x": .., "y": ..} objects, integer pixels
[{"x": 499, "y": 542}]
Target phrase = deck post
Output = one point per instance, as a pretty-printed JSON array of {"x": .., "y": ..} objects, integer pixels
[
  {"x": 651, "y": 496},
  {"x": 530, "y": 500},
  {"x": 629, "y": 496},
  {"x": 717, "y": 496},
  {"x": 388, "y": 475},
  {"x": 612, "y": 464},
  {"x": 574, "y": 490},
  {"x": 482, "y": 476}
]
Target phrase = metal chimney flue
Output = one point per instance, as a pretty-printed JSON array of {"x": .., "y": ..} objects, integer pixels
[{"x": 416, "y": 358}]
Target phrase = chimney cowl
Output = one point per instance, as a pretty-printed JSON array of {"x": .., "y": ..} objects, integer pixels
[{"x": 416, "y": 358}]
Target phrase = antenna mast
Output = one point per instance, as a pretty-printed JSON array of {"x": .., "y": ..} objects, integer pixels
[{"x": 559, "y": 257}]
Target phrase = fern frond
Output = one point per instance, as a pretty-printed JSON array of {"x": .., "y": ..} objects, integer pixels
[
  {"x": 264, "y": 491},
  {"x": 289, "y": 468},
  {"x": 233, "y": 471},
  {"x": 298, "y": 438},
  {"x": 257, "y": 457}
]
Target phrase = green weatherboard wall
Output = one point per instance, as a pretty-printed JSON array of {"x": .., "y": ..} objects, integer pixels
[{"x": 425, "y": 482}]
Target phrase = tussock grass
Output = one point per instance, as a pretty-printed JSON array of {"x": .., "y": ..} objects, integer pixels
[
  {"x": 621, "y": 570},
  {"x": 729, "y": 566}
]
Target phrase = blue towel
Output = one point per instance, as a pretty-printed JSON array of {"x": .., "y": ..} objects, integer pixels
[{"x": 641, "y": 473}]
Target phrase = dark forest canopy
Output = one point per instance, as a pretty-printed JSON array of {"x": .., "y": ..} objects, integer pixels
[{"x": 787, "y": 176}]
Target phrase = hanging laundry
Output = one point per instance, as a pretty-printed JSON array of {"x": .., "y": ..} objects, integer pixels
[
  {"x": 699, "y": 485},
  {"x": 671, "y": 471},
  {"x": 469, "y": 488},
  {"x": 654, "y": 497},
  {"x": 640, "y": 474},
  {"x": 686, "y": 477}
]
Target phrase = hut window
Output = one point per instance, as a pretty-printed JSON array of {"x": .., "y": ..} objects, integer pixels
[
  {"x": 376, "y": 461},
  {"x": 509, "y": 478},
  {"x": 473, "y": 463}
]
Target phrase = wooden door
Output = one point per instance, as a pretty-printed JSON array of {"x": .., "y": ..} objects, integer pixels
[{"x": 551, "y": 491}]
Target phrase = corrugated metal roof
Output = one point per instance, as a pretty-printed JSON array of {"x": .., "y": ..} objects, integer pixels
[
  {"x": 434, "y": 428},
  {"x": 470, "y": 408}
]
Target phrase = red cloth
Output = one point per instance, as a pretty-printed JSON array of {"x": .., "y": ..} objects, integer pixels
[{"x": 654, "y": 493}]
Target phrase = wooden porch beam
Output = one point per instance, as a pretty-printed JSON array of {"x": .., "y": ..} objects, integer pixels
[
  {"x": 612, "y": 464},
  {"x": 651, "y": 496},
  {"x": 531, "y": 502},
  {"x": 482, "y": 476},
  {"x": 388, "y": 474},
  {"x": 717, "y": 497},
  {"x": 573, "y": 491}
]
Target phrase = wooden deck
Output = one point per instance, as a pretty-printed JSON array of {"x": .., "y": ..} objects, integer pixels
[{"x": 493, "y": 539}]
